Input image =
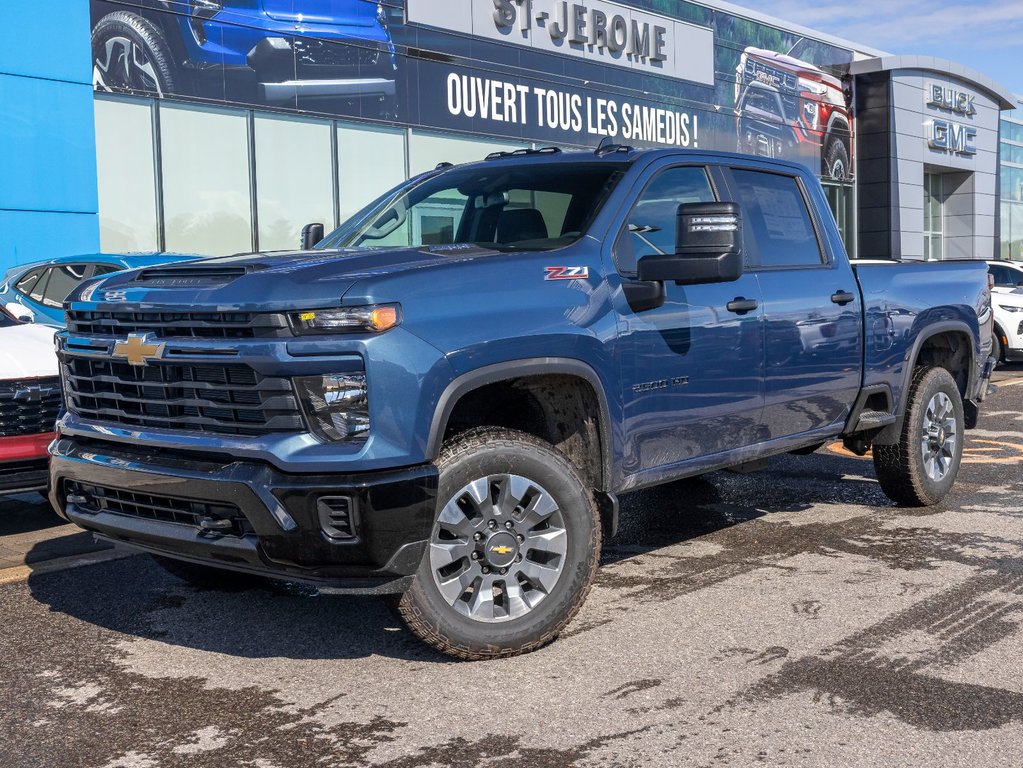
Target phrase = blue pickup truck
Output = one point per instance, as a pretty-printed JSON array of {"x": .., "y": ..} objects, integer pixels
[{"x": 444, "y": 398}]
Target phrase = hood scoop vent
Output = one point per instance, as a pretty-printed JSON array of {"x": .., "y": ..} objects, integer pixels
[{"x": 192, "y": 276}]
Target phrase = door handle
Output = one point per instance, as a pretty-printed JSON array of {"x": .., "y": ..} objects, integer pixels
[
  {"x": 843, "y": 297},
  {"x": 741, "y": 306}
]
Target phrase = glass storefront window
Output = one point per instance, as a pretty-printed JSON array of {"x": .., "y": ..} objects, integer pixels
[
  {"x": 840, "y": 199},
  {"x": 127, "y": 176},
  {"x": 205, "y": 180},
  {"x": 294, "y": 179},
  {"x": 426, "y": 150},
  {"x": 370, "y": 162},
  {"x": 933, "y": 224}
]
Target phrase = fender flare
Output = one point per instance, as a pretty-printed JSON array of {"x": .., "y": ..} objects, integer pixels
[
  {"x": 890, "y": 434},
  {"x": 514, "y": 369}
]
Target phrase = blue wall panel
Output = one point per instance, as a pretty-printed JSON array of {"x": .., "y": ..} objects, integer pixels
[
  {"x": 48, "y": 195},
  {"x": 27, "y": 236},
  {"x": 46, "y": 38},
  {"x": 47, "y": 146}
]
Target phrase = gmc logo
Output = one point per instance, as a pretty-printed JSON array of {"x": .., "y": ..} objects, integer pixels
[{"x": 946, "y": 136}]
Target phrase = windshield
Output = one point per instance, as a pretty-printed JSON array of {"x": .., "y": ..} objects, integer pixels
[{"x": 501, "y": 206}]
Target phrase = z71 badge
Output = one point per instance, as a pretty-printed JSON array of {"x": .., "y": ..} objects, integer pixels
[{"x": 567, "y": 273}]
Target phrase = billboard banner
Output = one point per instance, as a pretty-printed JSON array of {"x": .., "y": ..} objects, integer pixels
[{"x": 644, "y": 73}]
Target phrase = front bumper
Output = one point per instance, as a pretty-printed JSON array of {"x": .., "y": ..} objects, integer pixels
[
  {"x": 247, "y": 516},
  {"x": 23, "y": 476}
]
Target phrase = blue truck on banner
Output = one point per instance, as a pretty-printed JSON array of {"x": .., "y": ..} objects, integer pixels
[{"x": 667, "y": 74}]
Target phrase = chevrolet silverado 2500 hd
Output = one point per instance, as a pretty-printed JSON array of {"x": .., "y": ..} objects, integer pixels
[{"x": 445, "y": 396}]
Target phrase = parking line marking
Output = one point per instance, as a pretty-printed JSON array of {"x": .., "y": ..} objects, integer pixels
[{"x": 19, "y": 573}]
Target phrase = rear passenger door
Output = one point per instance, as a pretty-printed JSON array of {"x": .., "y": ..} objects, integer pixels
[{"x": 812, "y": 312}]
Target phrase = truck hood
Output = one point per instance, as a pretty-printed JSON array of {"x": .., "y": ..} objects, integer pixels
[
  {"x": 348, "y": 13},
  {"x": 26, "y": 352},
  {"x": 795, "y": 66},
  {"x": 269, "y": 282}
]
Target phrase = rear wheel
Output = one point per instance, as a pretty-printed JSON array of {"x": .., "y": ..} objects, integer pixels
[
  {"x": 997, "y": 350},
  {"x": 513, "y": 552},
  {"x": 920, "y": 469}
]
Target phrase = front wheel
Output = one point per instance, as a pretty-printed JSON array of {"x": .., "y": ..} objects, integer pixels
[
  {"x": 920, "y": 469},
  {"x": 513, "y": 551}
]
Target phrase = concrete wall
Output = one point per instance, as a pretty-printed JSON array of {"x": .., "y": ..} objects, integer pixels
[
  {"x": 970, "y": 182},
  {"x": 48, "y": 198}
]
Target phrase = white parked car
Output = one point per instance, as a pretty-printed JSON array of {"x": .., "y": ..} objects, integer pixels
[
  {"x": 1007, "y": 301},
  {"x": 29, "y": 403}
]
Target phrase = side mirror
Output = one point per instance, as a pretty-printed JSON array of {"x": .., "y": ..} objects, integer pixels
[
  {"x": 708, "y": 247},
  {"x": 311, "y": 235},
  {"x": 20, "y": 312}
]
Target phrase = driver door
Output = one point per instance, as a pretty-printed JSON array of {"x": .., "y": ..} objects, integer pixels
[{"x": 692, "y": 370}]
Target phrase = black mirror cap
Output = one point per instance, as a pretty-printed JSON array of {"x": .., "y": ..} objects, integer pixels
[
  {"x": 311, "y": 235},
  {"x": 703, "y": 228}
]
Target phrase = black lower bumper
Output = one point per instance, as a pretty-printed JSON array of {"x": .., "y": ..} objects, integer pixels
[
  {"x": 23, "y": 476},
  {"x": 251, "y": 517}
]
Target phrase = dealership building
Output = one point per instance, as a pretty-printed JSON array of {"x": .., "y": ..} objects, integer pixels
[{"x": 220, "y": 126}]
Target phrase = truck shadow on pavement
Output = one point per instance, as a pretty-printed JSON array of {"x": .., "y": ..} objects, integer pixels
[{"x": 136, "y": 598}]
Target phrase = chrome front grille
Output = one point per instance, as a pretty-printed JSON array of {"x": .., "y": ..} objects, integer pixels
[
  {"x": 29, "y": 406},
  {"x": 228, "y": 399}
]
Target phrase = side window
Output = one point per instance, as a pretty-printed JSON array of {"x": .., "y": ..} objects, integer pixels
[
  {"x": 652, "y": 221},
  {"x": 776, "y": 221},
  {"x": 63, "y": 280},
  {"x": 27, "y": 284},
  {"x": 1005, "y": 277},
  {"x": 105, "y": 269}
]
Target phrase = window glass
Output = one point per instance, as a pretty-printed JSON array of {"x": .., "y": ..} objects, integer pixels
[
  {"x": 205, "y": 180},
  {"x": 28, "y": 282},
  {"x": 504, "y": 207},
  {"x": 775, "y": 219},
  {"x": 105, "y": 269},
  {"x": 370, "y": 162},
  {"x": 294, "y": 179},
  {"x": 426, "y": 150},
  {"x": 127, "y": 177},
  {"x": 653, "y": 220},
  {"x": 63, "y": 280}
]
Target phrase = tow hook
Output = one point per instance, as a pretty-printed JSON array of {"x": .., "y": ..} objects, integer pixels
[{"x": 215, "y": 525}]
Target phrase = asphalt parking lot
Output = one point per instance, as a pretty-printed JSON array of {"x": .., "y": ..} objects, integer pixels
[{"x": 791, "y": 616}]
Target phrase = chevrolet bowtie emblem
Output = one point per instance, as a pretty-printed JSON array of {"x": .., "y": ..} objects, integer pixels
[
  {"x": 502, "y": 550},
  {"x": 139, "y": 349}
]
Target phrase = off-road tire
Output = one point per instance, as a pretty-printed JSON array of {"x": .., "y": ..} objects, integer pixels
[
  {"x": 900, "y": 467},
  {"x": 207, "y": 577},
  {"x": 836, "y": 152},
  {"x": 490, "y": 451},
  {"x": 145, "y": 35}
]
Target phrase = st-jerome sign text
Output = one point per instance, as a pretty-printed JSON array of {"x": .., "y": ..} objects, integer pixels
[{"x": 599, "y": 31}]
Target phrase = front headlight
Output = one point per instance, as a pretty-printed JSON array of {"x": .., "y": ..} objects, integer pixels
[
  {"x": 812, "y": 86},
  {"x": 337, "y": 405},
  {"x": 1010, "y": 309},
  {"x": 374, "y": 319}
]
